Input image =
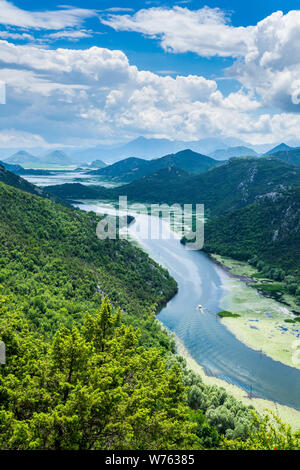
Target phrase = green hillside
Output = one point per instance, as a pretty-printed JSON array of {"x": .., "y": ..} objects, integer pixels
[
  {"x": 132, "y": 169},
  {"x": 16, "y": 181},
  {"x": 124, "y": 170},
  {"x": 268, "y": 229},
  {"x": 288, "y": 156},
  {"x": 52, "y": 261},
  {"x": 227, "y": 187},
  {"x": 78, "y": 191},
  {"x": 78, "y": 368},
  {"x": 160, "y": 186}
]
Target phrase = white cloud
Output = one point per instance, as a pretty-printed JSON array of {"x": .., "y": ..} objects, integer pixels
[
  {"x": 206, "y": 31},
  {"x": 118, "y": 9},
  {"x": 272, "y": 66},
  {"x": 65, "y": 17},
  {"x": 14, "y": 35},
  {"x": 268, "y": 54},
  {"x": 73, "y": 96},
  {"x": 74, "y": 35},
  {"x": 13, "y": 138}
]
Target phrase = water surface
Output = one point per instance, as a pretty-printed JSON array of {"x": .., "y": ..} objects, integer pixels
[{"x": 208, "y": 341}]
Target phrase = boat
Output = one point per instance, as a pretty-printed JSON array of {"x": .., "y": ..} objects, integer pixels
[{"x": 200, "y": 307}]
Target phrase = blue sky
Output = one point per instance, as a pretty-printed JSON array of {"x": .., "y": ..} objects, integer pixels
[{"x": 186, "y": 70}]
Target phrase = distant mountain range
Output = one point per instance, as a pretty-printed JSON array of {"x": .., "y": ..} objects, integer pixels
[
  {"x": 240, "y": 151},
  {"x": 97, "y": 164},
  {"x": 23, "y": 158},
  {"x": 57, "y": 157},
  {"x": 149, "y": 148},
  {"x": 130, "y": 169},
  {"x": 142, "y": 148},
  {"x": 279, "y": 148}
]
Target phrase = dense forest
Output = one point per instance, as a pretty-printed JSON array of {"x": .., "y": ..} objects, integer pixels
[
  {"x": 12, "y": 179},
  {"x": 269, "y": 229},
  {"x": 84, "y": 372},
  {"x": 225, "y": 187}
]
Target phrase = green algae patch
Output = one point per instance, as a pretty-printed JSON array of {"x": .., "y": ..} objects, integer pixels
[
  {"x": 262, "y": 322},
  {"x": 226, "y": 314}
]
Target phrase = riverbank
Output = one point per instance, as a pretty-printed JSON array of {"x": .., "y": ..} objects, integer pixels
[
  {"x": 286, "y": 414},
  {"x": 261, "y": 324}
]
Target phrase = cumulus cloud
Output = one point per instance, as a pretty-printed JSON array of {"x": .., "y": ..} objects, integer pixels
[
  {"x": 77, "y": 96},
  {"x": 11, "y": 15},
  {"x": 272, "y": 66},
  {"x": 15, "y": 35},
  {"x": 206, "y": 31},
  {"x": 14, "y": 138},
  {"x": 268, "y": 54}
]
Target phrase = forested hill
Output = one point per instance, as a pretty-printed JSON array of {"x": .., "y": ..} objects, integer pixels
[
  {"x": 167, "y": 181},
  {"x": 268, "y": 229},
  {"x": 52, "y": 260},
  {"x": 288, "y": 156},
  {"x": 230, "y": 186},
  {"x": 151, "y": 188},
  {"x": 16, "y": 181},
  {"x": 131, "y": 169},
  {"x": 80, "y": 374}
]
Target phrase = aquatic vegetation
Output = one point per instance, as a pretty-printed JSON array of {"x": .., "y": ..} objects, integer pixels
[{"x": 226, "y": 314}]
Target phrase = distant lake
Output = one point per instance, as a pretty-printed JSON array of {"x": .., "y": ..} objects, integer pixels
[{"x": 62, "y": 177}]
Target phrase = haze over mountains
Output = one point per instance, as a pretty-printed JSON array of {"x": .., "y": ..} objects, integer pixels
[
  {"x": 279, "y": 148},
  {"x": 240, "y": 151},
  {"x": 143, "y": 147},
  {"x": 146, "y": 149},
  {"x": 57, "y": 157}
]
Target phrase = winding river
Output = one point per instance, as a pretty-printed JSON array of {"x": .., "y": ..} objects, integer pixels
[{"x": 209, "y": 342}]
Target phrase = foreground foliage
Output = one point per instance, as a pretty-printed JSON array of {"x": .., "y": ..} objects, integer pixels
[
  {"x": 57, "y": 269},
  {"x": 270, "y": 434},
  {"x": 89, "y": 388},
  {"x": 82, "y": 373}
]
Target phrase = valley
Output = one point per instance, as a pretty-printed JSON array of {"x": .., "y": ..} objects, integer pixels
[
  {"x": 149, "y": 230},
  {"x": 234, "y": 353}
]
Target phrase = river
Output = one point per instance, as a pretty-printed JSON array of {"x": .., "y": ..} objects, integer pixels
[{"x": 206, "y": 338}]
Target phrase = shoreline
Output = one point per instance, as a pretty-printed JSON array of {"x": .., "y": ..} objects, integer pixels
[
  {"x": 261, "y": 324},
  {"x": 288, "y": 415}
]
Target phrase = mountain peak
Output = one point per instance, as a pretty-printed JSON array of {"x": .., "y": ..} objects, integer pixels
[
  {"x": 279, "y": 148},
  {"x": 21, "y": 157}
]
